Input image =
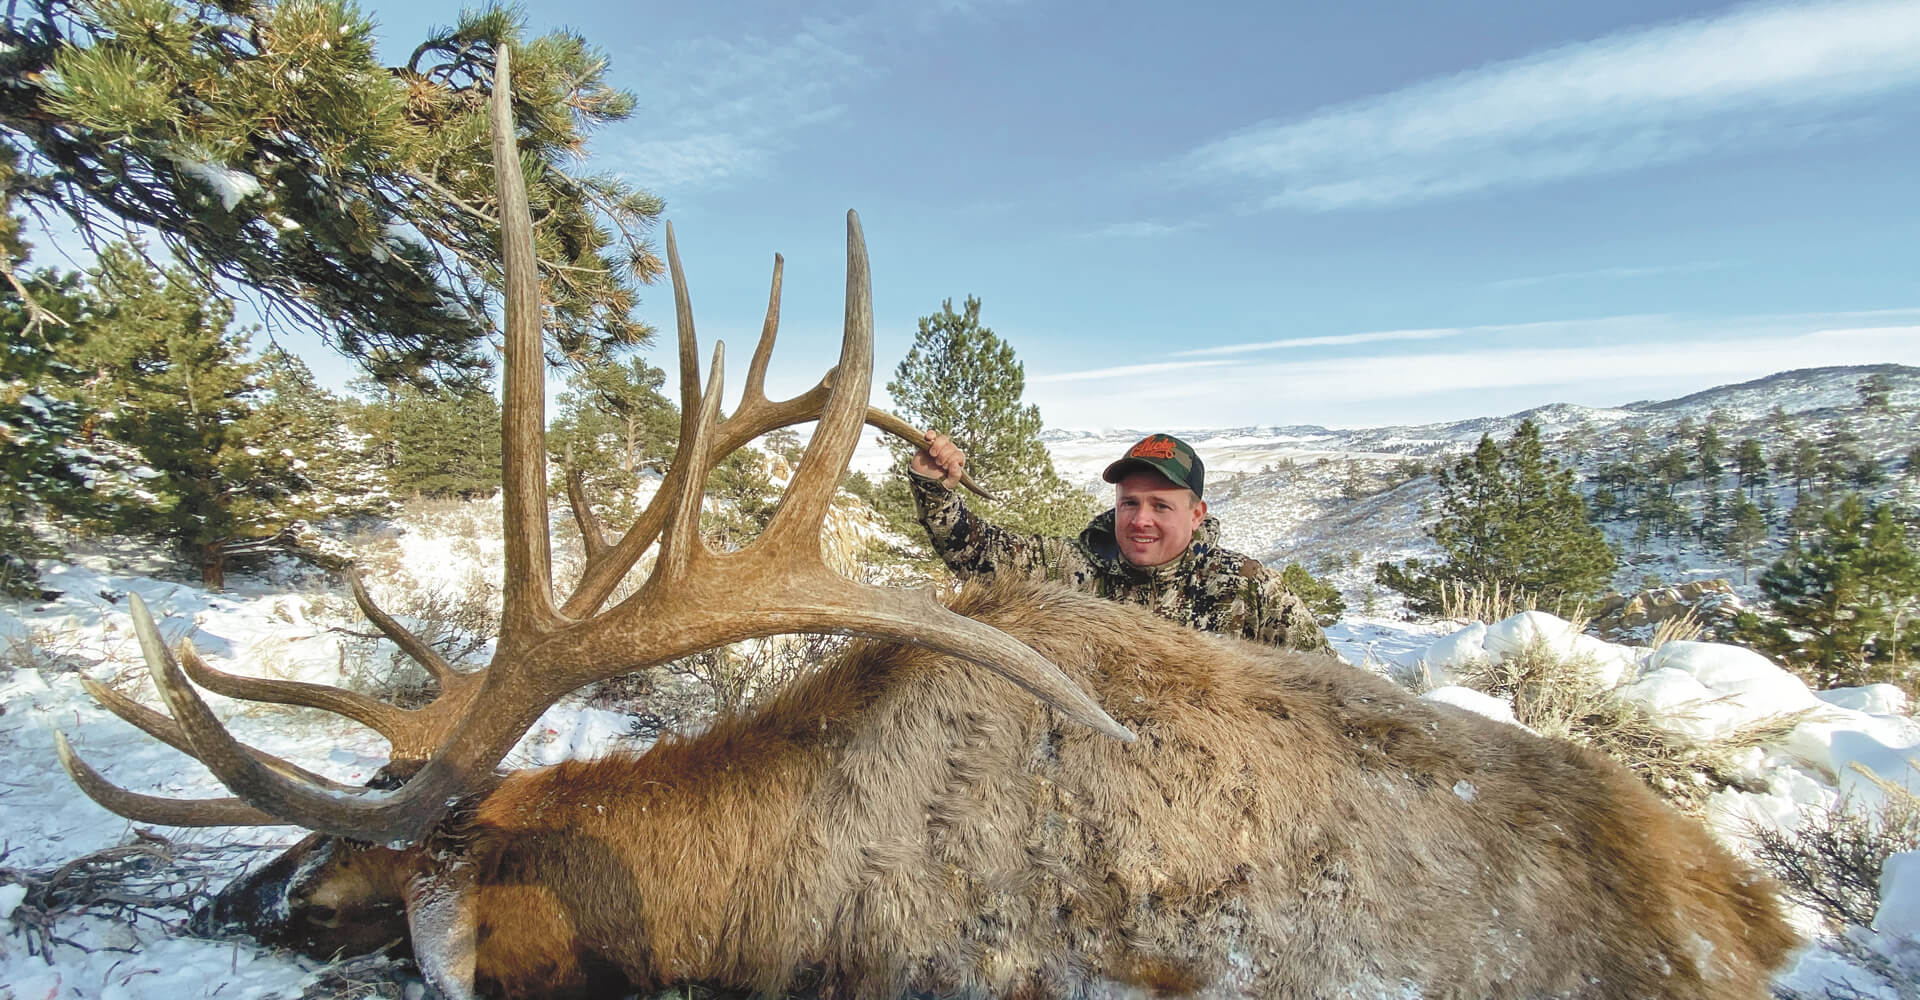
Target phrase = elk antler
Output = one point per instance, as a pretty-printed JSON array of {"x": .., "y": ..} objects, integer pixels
[{"x": 695, "y": 599}]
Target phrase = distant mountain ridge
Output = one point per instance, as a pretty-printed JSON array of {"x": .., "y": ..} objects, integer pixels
[{"x": 1799, "y": 391}]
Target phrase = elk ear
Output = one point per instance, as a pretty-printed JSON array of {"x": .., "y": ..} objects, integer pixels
[{"x": 441, "y": 916}]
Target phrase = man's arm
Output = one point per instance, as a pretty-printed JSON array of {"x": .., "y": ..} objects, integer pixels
[
  {"x": 1275, "y": 615},
  {"x": 968, "y": 544}
]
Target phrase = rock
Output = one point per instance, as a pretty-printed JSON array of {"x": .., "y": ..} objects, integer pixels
[{"x": 1622, "y": 617}]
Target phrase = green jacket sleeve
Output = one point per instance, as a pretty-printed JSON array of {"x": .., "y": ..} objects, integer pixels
[
  {"x": 976, "y": 549},
  {"x": 1272, "y": 614}
]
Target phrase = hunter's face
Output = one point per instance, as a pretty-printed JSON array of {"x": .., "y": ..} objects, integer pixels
[{"x": 1154, "y": 520}]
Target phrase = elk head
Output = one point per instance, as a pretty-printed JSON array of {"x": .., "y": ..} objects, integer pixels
[{"x": 444, "y": 753}]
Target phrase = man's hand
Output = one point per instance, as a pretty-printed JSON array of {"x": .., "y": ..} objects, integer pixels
[{"x": 941, "y": 459}]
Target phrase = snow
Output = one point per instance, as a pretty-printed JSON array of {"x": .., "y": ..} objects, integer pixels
[
  {"x": 1899, "y": 913},
  {"x": 232, "y": 186},
  {"x": 1463, "y": 650},
  {"x": 1497, "y": 709},
  {"x": 1874, "y": 699}
]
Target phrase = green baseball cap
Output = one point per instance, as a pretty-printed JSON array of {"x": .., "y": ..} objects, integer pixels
[{"x": 1165, "y": 454}]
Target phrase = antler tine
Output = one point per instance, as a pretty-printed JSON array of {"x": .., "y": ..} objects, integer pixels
[
  {"x": 528, "y": 591},
  {"x": 382, "y": 718},
  {"x": 796, "y": 525},
  {"x": 167, "y": 731},
  {"x": 681, "y": 547},
  {"x": 152, "y": 808},
  {"x": 296, "y": 802},
  {"x": 688, "y": 342},
  {"x": 436, "y": 666},
  {"x": 592, "y": 536},
  {"x": 756, "y": 387}
]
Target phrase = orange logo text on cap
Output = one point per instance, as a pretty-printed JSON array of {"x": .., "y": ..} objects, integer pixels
[{"x": 1153, "y": 447}]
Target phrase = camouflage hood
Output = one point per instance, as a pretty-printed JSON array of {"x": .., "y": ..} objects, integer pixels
[{"x": 1098, "y": 544}]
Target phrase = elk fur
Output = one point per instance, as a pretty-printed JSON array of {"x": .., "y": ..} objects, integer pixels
[{"x": 1285, "y": 826}]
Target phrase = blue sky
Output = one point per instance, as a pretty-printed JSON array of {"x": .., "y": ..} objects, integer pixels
[{"x": 1344, "y": 214}]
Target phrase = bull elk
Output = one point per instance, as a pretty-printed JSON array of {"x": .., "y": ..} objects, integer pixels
[{"x": 1265, "y": 823}]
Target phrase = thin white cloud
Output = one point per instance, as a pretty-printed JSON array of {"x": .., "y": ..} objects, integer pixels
[
  {"x": 1331, "y": 340},
  {"x": 1140, "y": 230},
  {"x": 1756, "y": 77},
  {"x": 1124, "y": 371},
  {"x": 718, "y": 109},
  {"x": 1609, "y": 274}
]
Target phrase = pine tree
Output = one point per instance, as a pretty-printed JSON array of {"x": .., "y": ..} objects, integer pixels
[
  {"x": 612, "y": 422},
  {"x": 1875, "y": 391},
  {"x": 183, "y": 392},
  {"x": 1746, "y": 531},
  {"x": 46, "y": 465},
  {"x": 1509, "y": 516},
  {"x": 1710, "y": 450},
  {"x": 1750, "y": 465},
  {"x": 1673, "y": 468},
  {"x": 1803, "y": 464},
  {"x": 961, "y": 379},
  {"x": 264, "y": 144},
  {"x": 338, "y": 475},
  {"x": 446, "y": 443},
  {"x": 1845, "y": 605}
]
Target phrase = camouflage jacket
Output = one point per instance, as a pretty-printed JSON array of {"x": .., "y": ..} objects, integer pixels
[{"x": 1209, "y": 587}]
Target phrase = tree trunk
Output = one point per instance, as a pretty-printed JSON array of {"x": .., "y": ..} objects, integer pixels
[{"x": 213, "y": 566}]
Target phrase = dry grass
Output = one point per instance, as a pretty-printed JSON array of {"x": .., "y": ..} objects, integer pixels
[
  {"x": 1558, "y": 697},
  {"x": 1492, "y": 602},
  {"x": 1681, "y": 628}
]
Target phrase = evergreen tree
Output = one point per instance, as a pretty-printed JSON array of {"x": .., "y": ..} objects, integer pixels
[
  {"x": 1875, "y": 391},
  {"x": 961, "y": 379},
  {"x": 446, "y": 443},
  {"x": 1508, "y": 516},
  {"x": 1844, "y": 604},
  {"x": 1710, "y": 449},
  {"x": 337, "y": 475},
  {"x": 183, "y": 396},
  {"x": 612, "y": 422},
  {"x": 1843, "y": 459},
  {"x": 264, "y": 144},
  {"x": 1746, "y": 531},
  {"x": 1750, "y": 465},
  {"x": 1803, "y": 464},
  {"x": 1673, "y": 468},
  {"x": 741, "y": 499},
  {"x": 1322, "y": 598},
  {"x": 46, "y": 465}
]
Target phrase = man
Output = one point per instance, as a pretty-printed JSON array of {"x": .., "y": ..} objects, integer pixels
[{"x": 1157, "y": 547}]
